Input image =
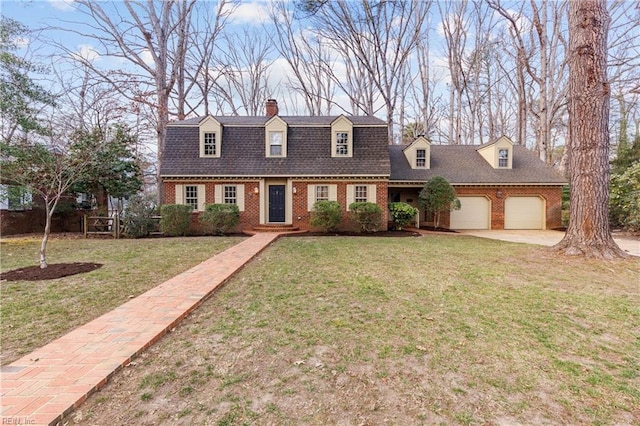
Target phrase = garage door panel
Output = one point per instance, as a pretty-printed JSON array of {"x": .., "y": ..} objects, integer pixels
[
  {"x": 524, "y": 213},
  {"x": 474, "y": 213}
]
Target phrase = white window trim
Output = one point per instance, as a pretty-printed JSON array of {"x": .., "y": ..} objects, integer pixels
[
  {"x": 351, "y": 193},
  {"x": 275, "y": 125},
  {"x": 211, "y": 125},
  {"x": 341, "y": 125},
  {"x": 201, "y": 193},
  {"x": 218, "y": 195},
  {"x": 311, "y": 194}
]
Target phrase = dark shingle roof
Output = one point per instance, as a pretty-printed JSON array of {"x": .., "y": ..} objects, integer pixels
[
  {"x": 462, "y": 164},
  {"x": 243, "y": 151},
  {"x": 290, "y": 120}
]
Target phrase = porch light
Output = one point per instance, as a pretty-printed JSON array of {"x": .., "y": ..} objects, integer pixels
[
  {"x": 256, "y": 190},
  {"x": 295, "y": 190},
  {"x": 499, "y": 193}
]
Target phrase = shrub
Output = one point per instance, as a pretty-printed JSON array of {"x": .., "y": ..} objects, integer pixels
[
  {"x": 326, "y": 215},
  {"x": 175, "y": 219},
  {"x": 367, "y": 215},
  {"x": 138, "y": 216},
  {"x": 624, "y": 200},
  {"x": 221, "y": 218},
  {"x": 402, "y": 214},
  {"x": 437, "y": 195}
]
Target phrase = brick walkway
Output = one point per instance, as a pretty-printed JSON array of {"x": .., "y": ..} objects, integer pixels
[{"x": 46, "y": 385}]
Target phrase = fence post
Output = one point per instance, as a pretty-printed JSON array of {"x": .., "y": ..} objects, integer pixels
[{"x": 85, "y": 224}]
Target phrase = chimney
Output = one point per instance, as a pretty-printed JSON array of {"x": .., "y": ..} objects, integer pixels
[{"x": 272, "y": 107}]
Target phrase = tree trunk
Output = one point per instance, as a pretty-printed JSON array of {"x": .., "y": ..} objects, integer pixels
[{"x": 588, "y": 233}]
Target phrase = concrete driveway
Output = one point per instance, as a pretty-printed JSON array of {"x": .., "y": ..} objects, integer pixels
[{"x": 546, "y": 238}]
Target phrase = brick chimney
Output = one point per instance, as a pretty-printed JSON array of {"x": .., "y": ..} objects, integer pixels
[{"x": 272, "y": 107}]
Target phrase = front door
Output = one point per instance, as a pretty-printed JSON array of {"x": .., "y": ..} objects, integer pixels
[{"x": 276, "y": 203}]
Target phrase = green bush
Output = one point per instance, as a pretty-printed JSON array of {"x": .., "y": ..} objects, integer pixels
[
  {"x": 221, "y": 218},
  {"x": 175, "y": 219},
  {"x": 326, "y": 215},
  {"x": 624, "y": 200},
  {"x": 402, "y": 214},
  {"x": 138, "y": 216},
  {"x": 367, "y": 215}
]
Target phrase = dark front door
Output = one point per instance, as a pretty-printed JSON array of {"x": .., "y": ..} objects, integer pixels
[{"x": 276, "y": 203}]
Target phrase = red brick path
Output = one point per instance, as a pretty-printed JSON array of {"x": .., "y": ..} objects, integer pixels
[{"x": 46, "y": 385}]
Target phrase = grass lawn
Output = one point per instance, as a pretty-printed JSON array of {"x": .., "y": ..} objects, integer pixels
[
  {"x": 34, "y": 313},
  {"x": 368, "y": 330}
]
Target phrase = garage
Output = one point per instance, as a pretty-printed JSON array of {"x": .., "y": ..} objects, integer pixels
[
  {"x": 474, "y": 213},
  {"x": 524, "y": 213}
]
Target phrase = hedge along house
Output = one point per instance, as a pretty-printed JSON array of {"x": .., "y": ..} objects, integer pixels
[
  {"x": 500, "y": 185},
  {"x": 276, "y": 167}
]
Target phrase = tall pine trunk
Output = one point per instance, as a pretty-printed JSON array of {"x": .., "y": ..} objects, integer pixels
[{"x": 588, "y": 233}]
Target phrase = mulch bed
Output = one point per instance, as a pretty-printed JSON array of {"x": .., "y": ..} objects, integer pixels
[{"x": 51, "y": 272}]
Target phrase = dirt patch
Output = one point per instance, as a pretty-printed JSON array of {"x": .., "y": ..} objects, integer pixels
[{"x": 51, "y": 272}]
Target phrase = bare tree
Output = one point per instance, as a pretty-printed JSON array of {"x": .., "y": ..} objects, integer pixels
[
  {"x": 309, "y": 61},
  {"x": 380, "y": 35},
  {"x": 588, "y": 233},
  {"x": 152, "y": 37},
  {"x": 200, "y": 71},
  {"x": 243, "y": 72}
]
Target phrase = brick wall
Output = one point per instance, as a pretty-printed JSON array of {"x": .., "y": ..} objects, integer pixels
[{"x": 300, "y": 214}]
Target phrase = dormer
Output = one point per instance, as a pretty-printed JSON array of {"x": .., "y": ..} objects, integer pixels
[
  {"x": 342, "y": 137},
  {"x": 210, "y": 138},
  {"x": 275, "y": 131},
  {"x": 418, "y": 153},
  {"x": 499, "y": 153}
]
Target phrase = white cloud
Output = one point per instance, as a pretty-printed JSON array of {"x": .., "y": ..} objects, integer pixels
[
  {"x": 64, "y": 5},
  {"x": 147, "y": 57},
  {"x": 250, "y": 13},
  {"x": 87, "y": 52}
]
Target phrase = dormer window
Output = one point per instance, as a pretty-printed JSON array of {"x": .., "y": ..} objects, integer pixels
[
  {"x": 342, "y": 137},
  {"x": 210, "y": 137},
  {"x": 421, "y": 158},
  {"x": 498, "y": 154},
  {"x": 275, "y": 144},
  {"x": 418, "y": 152},
  {"x": 503, "y": 157},
  {"x": 342, "y": 143},
  {"x": 275, "y": 131},
  {"x": 210, "y": 148}
]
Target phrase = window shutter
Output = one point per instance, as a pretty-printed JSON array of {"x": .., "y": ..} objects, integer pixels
[
  {"x": 351, "y": 195},
  {"x": 333, "y": 192},
  {"x": 371, "y": 194},
  {"x": 201, "y": 197},
  {"x": 311, "y": 196},
  {"x": 179, "y": 194},
  {"x": 240, "y": 197},
  {"x": 217, "y": 195}
]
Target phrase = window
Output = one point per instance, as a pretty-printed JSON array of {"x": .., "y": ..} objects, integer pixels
[
  {"x": 503, "y": 157},
  {"x": 275, "y": 144},
  {"x": 322, "y": 192},
  {"x": 14, "y": 197},
  {"x": 210, "y": 144},
  {"x": 191, "y": 196},
  {"x": 361, "y": 194},
  {"x": 342, "y": 143},
  {"x": 421, "y": 158},
  {"x": 230, "y": 195}
]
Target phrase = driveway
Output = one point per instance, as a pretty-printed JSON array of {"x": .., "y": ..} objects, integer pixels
[{"x": 546, "y": 238}]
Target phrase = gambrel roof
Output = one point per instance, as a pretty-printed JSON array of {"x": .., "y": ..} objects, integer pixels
[{"x": 308, "y": 149}]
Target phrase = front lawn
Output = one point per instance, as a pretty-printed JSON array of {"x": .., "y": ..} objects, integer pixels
[
  {"x": 368, "y": 330},
  {"x": 34, "y": 313}
]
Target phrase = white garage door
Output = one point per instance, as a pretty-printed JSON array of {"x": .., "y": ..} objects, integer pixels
[
  {"x": 524, "y": 213},
  {"x": 474, "y": 213}
]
